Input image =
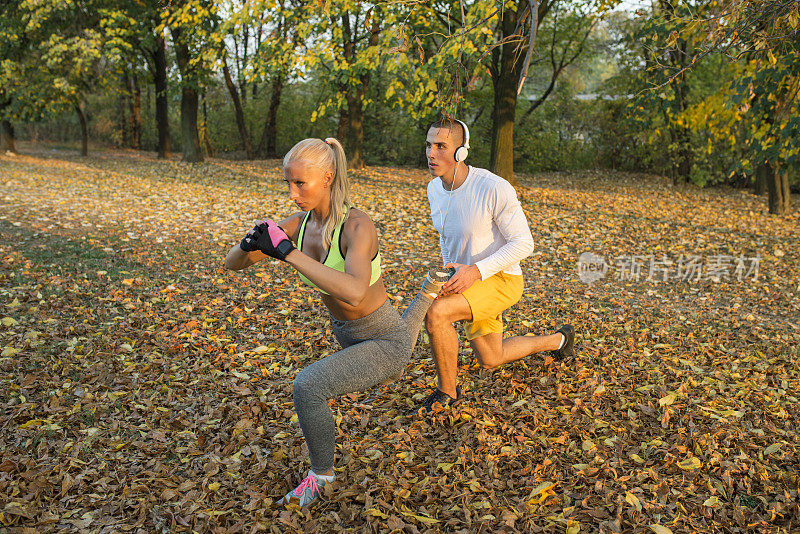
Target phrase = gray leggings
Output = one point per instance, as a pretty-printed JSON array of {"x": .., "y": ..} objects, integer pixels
[{"x": 375, "y": 348}]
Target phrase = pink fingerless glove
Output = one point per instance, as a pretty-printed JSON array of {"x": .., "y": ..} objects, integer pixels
[{"x": 274, "y": 242}]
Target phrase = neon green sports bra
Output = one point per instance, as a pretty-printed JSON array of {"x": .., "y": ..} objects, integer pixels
[{"x": 334, "y": 258}]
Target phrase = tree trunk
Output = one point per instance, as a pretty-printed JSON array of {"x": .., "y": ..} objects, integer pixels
[
  {"x": 189, "y": 135},
  {"x": 237, "y": 106},
  {"x": 761, "y": 178},
  {"x": 189, "y": 102},
  {"x": 84, "y": 131},
  {"x": 255, "y": 55},
  {"x": 256, "y": 52},
  {"x": 502, "y": 148},
  {"x": 341, "y": 129},
  {"x": 206, "y": 140},
  {"x": 680, "y": 89},
  {"x": 355, "y": 131},
  {"x": 122, "y": 110},
  {"x": 136, "y": 113},
  {"x": 7, "y": 137},
  {"x": 267, "y": 147},
  {"x": 778, "y": 189},
  {"x": 422, "y": 158},
  {"x": 787, "y": 198},
  {"x": 132, "y": 116},
  {"x": 353, "y": 120},
  {"x": 148, "y": 101},
  {"x": 162, "y": 106},
  {"x": 505, "y": 80},
  {"x": 685, "y": 156},
  {"x": 242, "y": 80}
]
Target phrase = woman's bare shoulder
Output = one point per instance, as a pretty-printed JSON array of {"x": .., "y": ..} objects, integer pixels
[
  {"x": 358, "y": 220},
  {"x": 291, "y": 224},
  {"x": 359, "y": 228}
]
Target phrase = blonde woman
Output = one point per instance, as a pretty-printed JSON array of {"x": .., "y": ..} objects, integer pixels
[{"x": 334, "y": 248}]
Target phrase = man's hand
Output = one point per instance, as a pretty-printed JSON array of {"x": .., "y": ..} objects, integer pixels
[{"x": 465, "y": 276}]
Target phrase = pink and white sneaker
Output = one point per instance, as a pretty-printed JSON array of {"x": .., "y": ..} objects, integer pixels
[{"x": 309, "y": 490}]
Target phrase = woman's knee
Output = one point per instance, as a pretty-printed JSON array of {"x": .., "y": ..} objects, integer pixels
[
  {"x": 304, "y": 388},
  {"x": 398, "y": 354},
  {"x": 407, "y": 348}
]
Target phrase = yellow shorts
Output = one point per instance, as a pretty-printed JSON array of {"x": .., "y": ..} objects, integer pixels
[{"x": 487, "y": 299}]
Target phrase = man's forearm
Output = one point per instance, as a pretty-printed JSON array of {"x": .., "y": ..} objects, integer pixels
[
  {"x": 513, "y": 226},
  {"x": 512, "y": 252}
]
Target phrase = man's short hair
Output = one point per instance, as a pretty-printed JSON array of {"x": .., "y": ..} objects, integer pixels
[{"x": 452, "y": 125}]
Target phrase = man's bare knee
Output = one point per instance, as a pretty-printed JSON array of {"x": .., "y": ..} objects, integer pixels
[
  {"x": 489, "y": 363},
  {"x": 436, "y": 316}
]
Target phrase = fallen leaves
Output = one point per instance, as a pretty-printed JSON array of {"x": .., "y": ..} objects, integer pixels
[
  {"x": 690, "y": 463},
  {"x": 144, "y": 388},
  {"x": 667, "y": 400}
]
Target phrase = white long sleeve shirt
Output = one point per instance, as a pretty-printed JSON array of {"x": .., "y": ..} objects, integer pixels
[{"x": 481, "y": 222}]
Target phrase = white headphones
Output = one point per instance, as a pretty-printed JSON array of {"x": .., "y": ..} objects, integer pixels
[{"x": 463, "y": 151}]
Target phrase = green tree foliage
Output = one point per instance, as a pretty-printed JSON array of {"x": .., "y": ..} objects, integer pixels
[
  {"x": 59, "y": 58},
  {"x": 13, "y": 48},
  {"x": 725, "y": 78},
  {"x": 665, "y": 86},
  {"x": 345, "y": 55},
  {"x": 435, "y": 54},
  {"x": 703, "y": 92},
  {"x": 282, "y": 27},
  {"x": 456, "y": 47},
  {"x": 134, "y": 32},
  {"x": 194, "y": 27},
  {"x": 767, "y": 35}
]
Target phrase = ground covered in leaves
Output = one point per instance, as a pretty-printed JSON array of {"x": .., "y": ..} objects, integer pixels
[{"x": 143, "y": 388}]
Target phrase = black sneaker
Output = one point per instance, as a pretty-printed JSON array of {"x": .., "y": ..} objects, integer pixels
[
  {"x": 437, "y": 397},
  {"x": 568, "y": 349}
]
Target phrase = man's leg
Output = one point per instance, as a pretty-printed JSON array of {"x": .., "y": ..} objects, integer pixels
[
  {"x": 444, "y": 340},
  {"x": 491, "y": 350}
]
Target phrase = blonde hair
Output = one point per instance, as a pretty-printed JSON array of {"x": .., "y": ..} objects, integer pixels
[{"x": 328, "y": 155}]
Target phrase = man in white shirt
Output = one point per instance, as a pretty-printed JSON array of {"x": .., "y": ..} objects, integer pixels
[{"x": 483, "y": 234}]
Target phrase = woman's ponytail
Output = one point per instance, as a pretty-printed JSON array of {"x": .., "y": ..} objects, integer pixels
[{"x": 340, "y": 191}]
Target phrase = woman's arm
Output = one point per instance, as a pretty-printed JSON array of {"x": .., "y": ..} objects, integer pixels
[
  {"x": 351, "y": 285},
  {"x": 238, "y": 259}
]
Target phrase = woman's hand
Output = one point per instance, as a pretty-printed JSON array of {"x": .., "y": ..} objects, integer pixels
[
  {"x": 250, "y": 241},
  {"x": 247, "y": 253},
  {"x": 270, "y": 239}
]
